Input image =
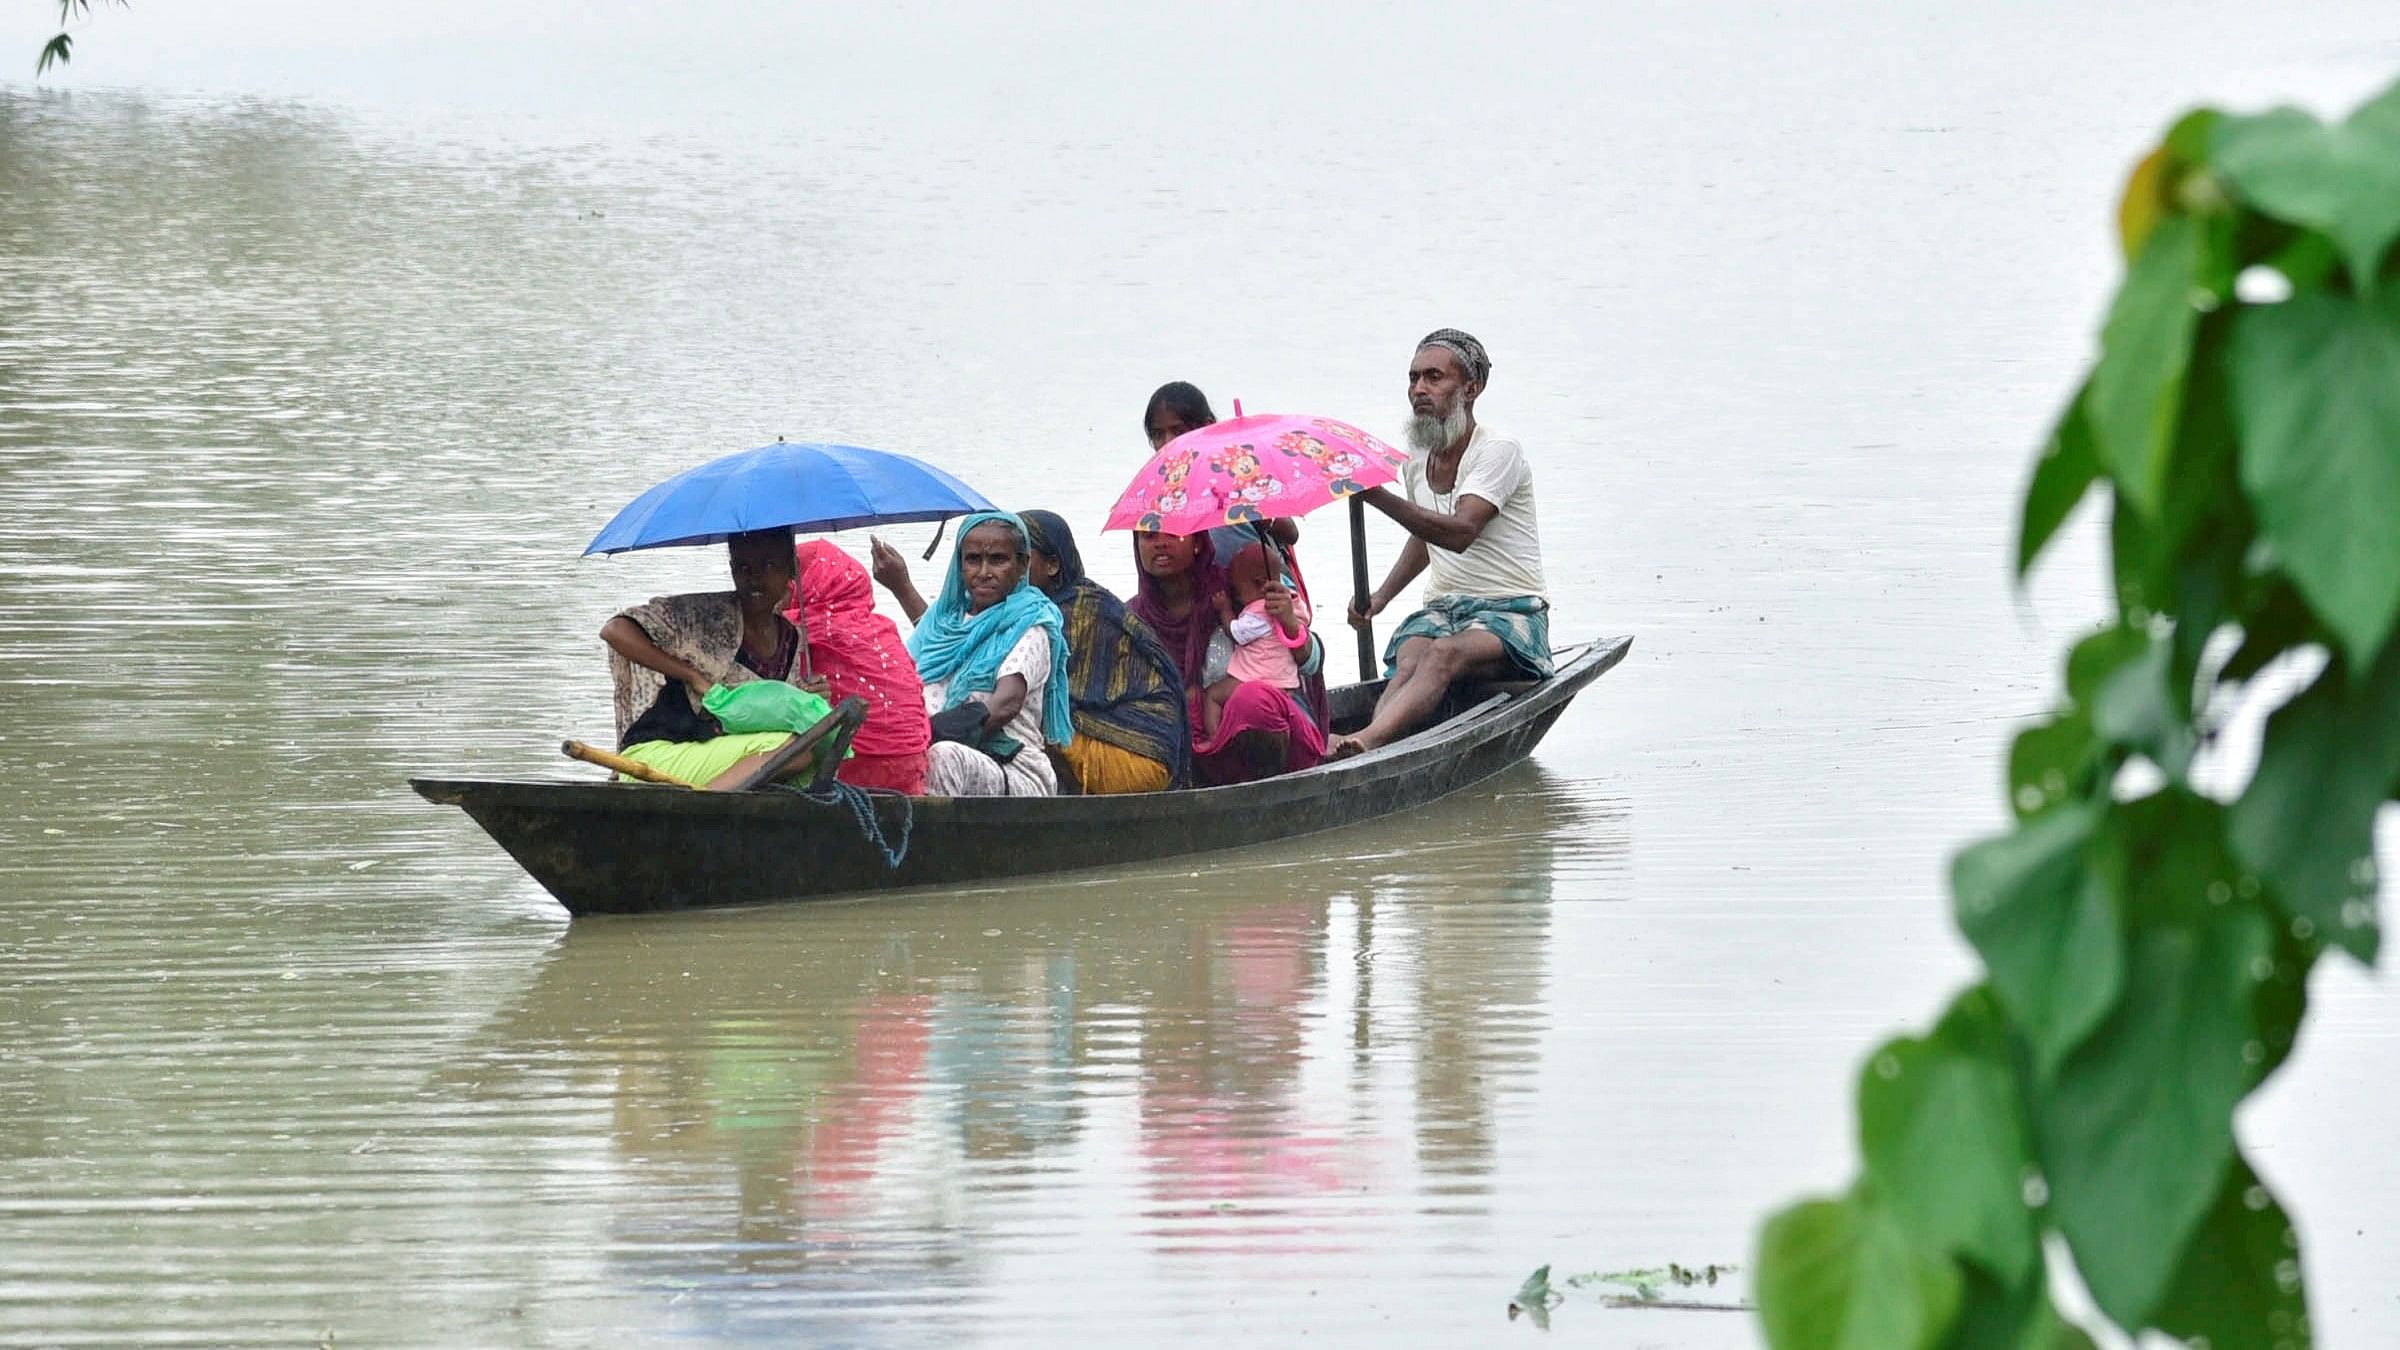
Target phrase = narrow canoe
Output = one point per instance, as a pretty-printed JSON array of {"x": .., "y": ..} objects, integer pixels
[{"x": 631, "y": 848}]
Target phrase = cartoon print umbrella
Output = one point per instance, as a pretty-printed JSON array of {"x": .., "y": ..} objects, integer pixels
[
  {"x": 1252, "y": 468},
  {"x": 1247, "y": 469}
]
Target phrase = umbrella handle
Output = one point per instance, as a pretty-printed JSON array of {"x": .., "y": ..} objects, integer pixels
[{"x": 1275, "y": 548}]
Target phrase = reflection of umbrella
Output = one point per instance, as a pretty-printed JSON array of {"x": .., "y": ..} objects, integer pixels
[
  {"x": 804, "y": 486},
  {"x": 1247, "y": 469},
  {"x": 1251, "y": 468}
]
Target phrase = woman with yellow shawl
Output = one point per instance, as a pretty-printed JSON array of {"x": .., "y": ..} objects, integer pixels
[{"x": 1131, "y": 734}]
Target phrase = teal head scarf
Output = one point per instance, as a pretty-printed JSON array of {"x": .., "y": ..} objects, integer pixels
[{"x": 966, "y": 649}]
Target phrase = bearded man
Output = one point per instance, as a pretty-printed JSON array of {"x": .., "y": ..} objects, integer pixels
[{"x": 1470, "y": 521}]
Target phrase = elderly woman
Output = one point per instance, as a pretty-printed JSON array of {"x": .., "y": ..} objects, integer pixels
[
  {"x": 666, "y": 657},
  {"x": 993, "y": 654},
  {"x": 1131, "y": 734},
  {"x": 859, "y": 653},
  {"x": 1262, "y": 730}
]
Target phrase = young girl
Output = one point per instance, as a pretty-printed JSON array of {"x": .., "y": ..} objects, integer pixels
[{"x": 1262, "y": 649}]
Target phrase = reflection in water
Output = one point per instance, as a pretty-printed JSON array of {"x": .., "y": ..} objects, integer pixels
[{"x": 1264, "y": 1058}]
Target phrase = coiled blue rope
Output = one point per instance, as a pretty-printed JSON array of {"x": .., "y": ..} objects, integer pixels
[{"x": 861, "y": 805}]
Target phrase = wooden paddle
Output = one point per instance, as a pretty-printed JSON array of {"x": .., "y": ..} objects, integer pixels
[
  {"x": 1358, "y": 581},
  {"x": 832, "y": 732},
  {"x": 746, "y": 774},
  {"x": 631, "y": 768}
]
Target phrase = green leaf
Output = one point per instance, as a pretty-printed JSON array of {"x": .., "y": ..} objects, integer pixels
[
  {"x": 2051, "y": 762},
  {"x": 1945, "y": 1143},
  {"x": 2065, "y": 471},
  {"x": 2279, "y": 1002},
  {"x": 2138, "y": 706},
  {"x": 2308, "y": 260},
  {"x": 2307, "y": 820},
  {"x": 2098, "y": 656},
  {"x": 57, "y": 51},
  {"x": 2136, "y": 1130},
  {"x": 2203, "y": 589},
  {"x": 2343, "y": 179},
  {"x": 1534, "y": 1298},
  {"x": 2202, "y": 518},
  {"x": 1992, "y": 1316},
  {"x": 2239, "y": 1283},
  {"x": 2139, "y": 561},
  {"x": 2145, "y": 347},
  {"x": 2276, "y": 621},
  {"x": 2047, "y": 931},
  {"x": 2188, "y": 140},
  {"x": 1845, "y": 1275},
  {"x": 2166, "y": 854},
  {"x": 2316, "y": 384}
]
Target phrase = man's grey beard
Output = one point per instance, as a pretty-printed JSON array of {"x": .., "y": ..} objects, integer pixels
[{"x": 1428, "y": 433}]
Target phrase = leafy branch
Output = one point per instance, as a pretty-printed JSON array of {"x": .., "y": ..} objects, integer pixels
[
  {"x": 2147, "y": 947},
  {"x": 60, "y": 49}
]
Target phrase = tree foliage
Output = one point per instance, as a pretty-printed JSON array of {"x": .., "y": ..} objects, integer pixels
[
  {"x": 60, "y": 49},
  {"x": 2147, "y": 947}
]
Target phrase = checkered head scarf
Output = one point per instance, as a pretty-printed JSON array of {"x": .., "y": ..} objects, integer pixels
[{"x": 1470, "y": 353}]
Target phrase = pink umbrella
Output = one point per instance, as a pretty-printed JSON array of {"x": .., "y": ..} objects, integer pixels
[{"x": 1247, "y": 469}]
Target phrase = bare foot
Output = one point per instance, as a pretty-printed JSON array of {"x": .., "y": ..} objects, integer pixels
[{"x": 1343, "y": 747}]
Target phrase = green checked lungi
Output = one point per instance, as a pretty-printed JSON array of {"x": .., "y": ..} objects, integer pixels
[{"x": 1522, "y": 624}]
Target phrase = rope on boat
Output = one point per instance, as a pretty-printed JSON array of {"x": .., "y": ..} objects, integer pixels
[{"x": 861, "y": 805}]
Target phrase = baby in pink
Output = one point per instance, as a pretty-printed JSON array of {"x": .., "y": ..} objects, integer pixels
[{"x": 1262, "y": 649}]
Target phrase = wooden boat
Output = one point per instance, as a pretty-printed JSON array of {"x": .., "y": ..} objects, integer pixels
[{"x": 632, "y": 848}]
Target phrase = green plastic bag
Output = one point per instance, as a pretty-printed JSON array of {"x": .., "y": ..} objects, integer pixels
[{"x": 764, "y": 705}]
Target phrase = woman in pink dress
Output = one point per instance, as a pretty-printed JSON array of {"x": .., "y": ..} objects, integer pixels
[{"x": 1262, "y": 730}]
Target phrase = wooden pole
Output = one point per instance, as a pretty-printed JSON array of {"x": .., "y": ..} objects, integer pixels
[
  {"x": 631, "y": 768},
  {"x": 1358, "y": 580}
]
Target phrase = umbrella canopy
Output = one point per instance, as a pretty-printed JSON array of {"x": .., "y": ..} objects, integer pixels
[
  {"x": 803, "y": 485},
  {"x": 1247, "y": 469}
]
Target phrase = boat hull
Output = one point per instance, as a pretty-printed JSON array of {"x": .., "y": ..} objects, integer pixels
[{"x": 607, "y": 848}]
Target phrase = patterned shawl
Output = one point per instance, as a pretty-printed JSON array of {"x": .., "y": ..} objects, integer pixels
[
  {"x": 1128, "y": 691},
  {"x": 703, "y": 628}
]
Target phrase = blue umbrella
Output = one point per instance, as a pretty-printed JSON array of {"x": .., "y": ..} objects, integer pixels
[{"x": 802, "y": 485}]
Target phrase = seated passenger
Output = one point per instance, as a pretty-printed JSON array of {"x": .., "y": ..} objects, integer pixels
[
  {"x": 667, "y": 655},
  {"x": 993, "y": 654},
  {"x": 859, "y": 652},
  {"x": 1470, "y": 519},
  {"x": 1130, "y": 731},
  {"x": 1263, "y": 649},
  {"x": 1262, "y": 729}
]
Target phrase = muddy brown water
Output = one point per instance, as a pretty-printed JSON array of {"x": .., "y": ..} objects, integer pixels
[{"x": 327, "y": 340}]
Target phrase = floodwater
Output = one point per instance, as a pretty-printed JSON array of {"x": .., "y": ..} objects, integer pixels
[{"x": 326, "y": 339}]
